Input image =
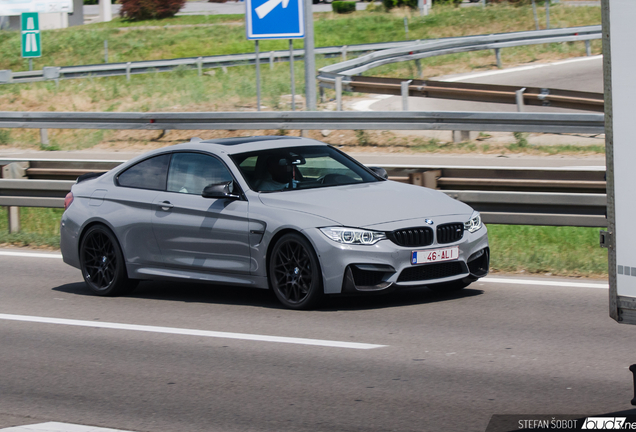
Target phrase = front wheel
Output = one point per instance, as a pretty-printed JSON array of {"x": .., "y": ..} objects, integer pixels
[
  {"x": 294, "y": 272},
  {"x": 102, "y": 263}
]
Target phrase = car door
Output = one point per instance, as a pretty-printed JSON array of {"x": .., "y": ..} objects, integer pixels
[
  {"x": 131, "y": 208},
  {"x": 199, "y": 233}
]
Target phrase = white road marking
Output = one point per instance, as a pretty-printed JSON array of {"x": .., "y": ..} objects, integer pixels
[
  {"x": 190, "y": 332},
  {"x": 59, "y": 427},
  {"x": 30, "y": 254},
  {"x": 544, "y": 282},
  {"x": 520, "y": 69}
]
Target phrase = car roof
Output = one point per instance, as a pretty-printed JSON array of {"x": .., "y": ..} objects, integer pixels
[
  {"x": 229, "y": 146},
  {"x": 245, "y": 144}
]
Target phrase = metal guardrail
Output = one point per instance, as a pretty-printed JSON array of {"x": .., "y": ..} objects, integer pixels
[
  {"x": 526, "y": 196},
  {"x": 580, "y": 213},
  {"x": 305, "y": 120},
  {"x": 345, "y": 75},
  {"x": 538, "y": 96},
  {"x": 204, "y": 62},
  {"x": 534, "y": 208},
  {"x": 34, "y": 193},
  {"x": 512, "y": 179},
  {"x": 389, "y": 52},
  {"x": 424, "y": 49}
]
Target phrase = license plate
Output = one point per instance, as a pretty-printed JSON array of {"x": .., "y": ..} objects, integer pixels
[{"x": 435, "y": 255}]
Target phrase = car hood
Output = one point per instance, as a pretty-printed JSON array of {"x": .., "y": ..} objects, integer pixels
[{"x": 368, "y": 204}]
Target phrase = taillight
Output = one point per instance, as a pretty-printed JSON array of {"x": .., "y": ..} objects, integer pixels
[{"x": 68, "y": 200}]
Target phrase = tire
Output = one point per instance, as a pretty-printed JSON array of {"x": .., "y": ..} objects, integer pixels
[
  {"x": 449, "y": 287},
  {"x": 294, "y": 272},
  {"x": 102, "y": 263}
]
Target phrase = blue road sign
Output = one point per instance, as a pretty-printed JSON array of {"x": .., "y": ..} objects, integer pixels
[{"x": 274, "y": 19}]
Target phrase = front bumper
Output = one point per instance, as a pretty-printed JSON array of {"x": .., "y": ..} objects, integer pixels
[{"x": 385, "y": 265}]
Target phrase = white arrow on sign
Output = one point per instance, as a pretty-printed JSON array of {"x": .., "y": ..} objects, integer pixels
[{"x": 268, "y": 6}]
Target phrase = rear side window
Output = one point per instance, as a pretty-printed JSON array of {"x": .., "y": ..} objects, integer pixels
[
  {"x": 191, "y": 172},
  {"x": 148, "y": 174}
]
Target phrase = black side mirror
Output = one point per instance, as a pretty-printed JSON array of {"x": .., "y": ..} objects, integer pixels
[
  {"x": 220, "y": 190},
  {"x": 380, "y": 172}
]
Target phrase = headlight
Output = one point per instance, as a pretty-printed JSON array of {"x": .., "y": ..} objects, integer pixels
[
  {"x": 353, "y": 235},
  {"x": 474, "y": 223}
]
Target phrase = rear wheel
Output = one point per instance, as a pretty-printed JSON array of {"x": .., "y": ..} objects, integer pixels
[
  {"x": 102, "y": 263},
  {"x": 294, "y": 272}
]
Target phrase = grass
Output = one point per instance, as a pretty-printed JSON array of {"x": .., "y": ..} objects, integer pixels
[
  {"x": 40, "y": 227},
  {"x": 189, "y": 36},
  {"x": 559, "y": 251},
  {"x": 562, "y": 251}
]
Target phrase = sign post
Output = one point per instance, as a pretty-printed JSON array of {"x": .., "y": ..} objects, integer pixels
[
  {"x": 31, "y": 40},
  {"x": 310, "y": 59},
  {"x": 274, "y": 19}
]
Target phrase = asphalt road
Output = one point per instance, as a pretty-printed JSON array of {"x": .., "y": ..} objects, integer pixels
[{"x": 445, "y": 363}]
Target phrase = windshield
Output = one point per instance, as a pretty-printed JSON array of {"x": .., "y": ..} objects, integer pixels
[{"x": 293, "y": 168}]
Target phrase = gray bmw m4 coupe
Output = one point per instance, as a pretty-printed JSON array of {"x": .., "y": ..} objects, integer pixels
[{"x": 290, "y": 214}]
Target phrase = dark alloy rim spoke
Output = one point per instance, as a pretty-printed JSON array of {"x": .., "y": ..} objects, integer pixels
[
  {"x": 292, "y": 257},
  {"x": 100, "y": 260}
]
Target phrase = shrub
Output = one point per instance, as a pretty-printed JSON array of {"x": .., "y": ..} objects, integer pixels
[
  {"x": 342, "y": 7},
  {"x": 94, "y": 2},
  {"x": 373, "y": 7},
  {"x": 390, "y": 4},
  {"x": 135, "y": 10}
]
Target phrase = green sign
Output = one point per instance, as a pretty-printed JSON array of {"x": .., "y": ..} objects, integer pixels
[{"x": 31, "y": 41}]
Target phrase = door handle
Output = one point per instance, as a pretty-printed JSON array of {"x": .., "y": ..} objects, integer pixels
[{"x": 166, "y": 205}]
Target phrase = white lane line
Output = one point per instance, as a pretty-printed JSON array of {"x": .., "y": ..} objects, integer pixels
[
  {"x": 191, "y": 332},
  {"x": 59, "y": 427},
  {"x": 520, "y": 69},
  {"x": 515, "y": 281},
  {"x": 30, "y": 254}
]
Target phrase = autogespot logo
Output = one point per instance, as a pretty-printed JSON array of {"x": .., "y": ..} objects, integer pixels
[{"x": 606, "y": 423}]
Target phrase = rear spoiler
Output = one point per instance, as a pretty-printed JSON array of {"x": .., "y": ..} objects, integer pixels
[{"x": 88, "y": 176}]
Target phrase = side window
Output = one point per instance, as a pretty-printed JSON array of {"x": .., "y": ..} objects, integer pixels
[
  {"x": 191, "y": 172},
  {"x": 148, "y": 174}
]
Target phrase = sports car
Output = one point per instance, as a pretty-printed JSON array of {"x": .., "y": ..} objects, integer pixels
[{"x": 293, "y": 215}]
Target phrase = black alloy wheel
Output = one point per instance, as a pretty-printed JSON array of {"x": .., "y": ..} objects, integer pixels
[
  {"x": 294, "y": 272},
  {"x": 102, "y": 263}
]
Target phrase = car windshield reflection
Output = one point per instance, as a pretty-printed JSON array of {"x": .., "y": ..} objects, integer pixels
[{"x": 297, "y": 168}]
